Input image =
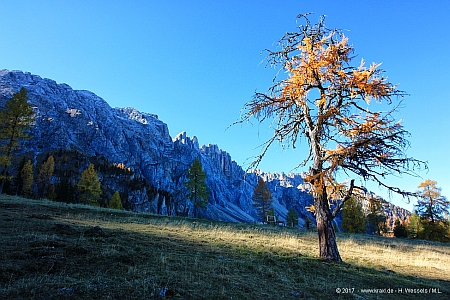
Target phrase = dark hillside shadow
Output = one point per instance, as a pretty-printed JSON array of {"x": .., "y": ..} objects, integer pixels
[{"x": 81, "y": 254}]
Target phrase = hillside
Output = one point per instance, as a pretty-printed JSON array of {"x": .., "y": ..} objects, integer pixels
[{"x": 58, "y": 251}]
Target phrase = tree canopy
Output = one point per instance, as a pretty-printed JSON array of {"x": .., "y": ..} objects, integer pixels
[{"x": 321, "y": 96}]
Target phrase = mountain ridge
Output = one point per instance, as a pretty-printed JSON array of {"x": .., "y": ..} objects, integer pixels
[{"x": 81, "y": 120}]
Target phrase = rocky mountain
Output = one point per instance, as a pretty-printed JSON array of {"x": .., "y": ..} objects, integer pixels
[{"x": 81, "y": 122}]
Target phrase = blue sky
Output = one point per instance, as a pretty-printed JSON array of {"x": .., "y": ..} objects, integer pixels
[{"x": 196, "y": 63}]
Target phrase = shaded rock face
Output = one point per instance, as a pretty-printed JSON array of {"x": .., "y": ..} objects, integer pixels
[{"x": 84, "y": 122}]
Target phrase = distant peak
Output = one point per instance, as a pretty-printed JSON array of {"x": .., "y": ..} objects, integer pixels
[{"x": 184, "y": 139}]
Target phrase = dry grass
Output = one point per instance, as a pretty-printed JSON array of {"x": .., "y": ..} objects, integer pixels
[
  {"x": 403, "y": 256},
  {"x": 57, "y": 251}
]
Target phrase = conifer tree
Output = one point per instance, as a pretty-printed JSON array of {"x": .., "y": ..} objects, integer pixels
[
  {"x": 292, "y": 218},
  {"x": 46, "y": 173},
  {"x": 89, "y": 186},
  {"x": 65, "y": 192},
  {"x": 18, "y": 180},
  {"x": 432, "y": 208},
  {"x": 116, "y": 202},
  {"x": 26, "y": 174},
  {"x": 320, "y": 96},
  {"x": 15, "y": 121},
  {"x": 262, "y": 199},
  {"x": 353, "y": 220},
  {"x": 414, "y": 227},
  {"x": 376, "y": 219},
  {"x": 197, "y": 190},
  {"x": 431, "y": 204},
  {"x": 308, "y": 222},
  {"x": 400, "y": 229}
]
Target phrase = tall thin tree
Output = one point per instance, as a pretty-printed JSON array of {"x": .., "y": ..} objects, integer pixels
[
  {"x": 46, "y": 173},
  {"x": 15, "y": 121},
  {"x": 26, "y": 175},
  {"x": 197, "y": 190},
  {"x": 262, "y": 199},
  {"x": 319, "y": 96},
  {"x": 89, "y": 186}
]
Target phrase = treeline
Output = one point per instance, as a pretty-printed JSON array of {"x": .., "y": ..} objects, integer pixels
[
  {"x": 71, "y": 177},
  {"x": 429, "y": 221}
]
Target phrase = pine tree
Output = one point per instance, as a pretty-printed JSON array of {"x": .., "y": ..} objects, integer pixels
[
  {"x": 15, "y": 120},
  {"x": 89, "y": 186},
  {"x": 262, "y": 199},
  {"x": 353, "y": 220},
  {"x": 116, "y": 202},
  {"x": 292, "y": 218},
  {"x": 197, "y": 190},
  {"x": 46, "y": 173}
]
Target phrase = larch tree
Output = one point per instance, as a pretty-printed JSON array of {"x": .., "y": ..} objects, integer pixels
[
  {"x": 353, "y": 219},
  {"x": 15, "y": 121},
  {"x": 89, "y": 186},
  {"x": 197, "y": 190},
  {"x": 116, "y": 202},
  {"x": 320, "y": 97},
  {"x": 26, "y": 175},
  {"x": 431, "y": 204},
  {"x": 433, "y": 208},
  {"x": 46, "y": 173},
  {"x": 262, "y": 200}
]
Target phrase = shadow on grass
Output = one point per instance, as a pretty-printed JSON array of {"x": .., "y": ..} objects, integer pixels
[{"x": 52, "y": 252}]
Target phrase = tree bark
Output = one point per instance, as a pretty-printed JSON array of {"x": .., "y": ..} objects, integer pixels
[{"x": 327, "y": 238}]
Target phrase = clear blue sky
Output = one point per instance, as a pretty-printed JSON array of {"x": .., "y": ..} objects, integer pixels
[{"x": 196, "y": 63}]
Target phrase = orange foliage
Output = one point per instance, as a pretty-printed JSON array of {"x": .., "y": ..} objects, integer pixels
[{"x": 326, "y": 100}]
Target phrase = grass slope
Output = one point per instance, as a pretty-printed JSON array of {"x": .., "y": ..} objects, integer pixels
[{"x": 57, "y": 251}]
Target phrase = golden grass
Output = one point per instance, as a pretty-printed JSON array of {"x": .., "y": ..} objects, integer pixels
[
  {"x": 408, "y": 257},
  {"x": 78, "y": 252}
]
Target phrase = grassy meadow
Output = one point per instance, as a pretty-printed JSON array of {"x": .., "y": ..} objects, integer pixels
[{"x": 57, "y": 251}]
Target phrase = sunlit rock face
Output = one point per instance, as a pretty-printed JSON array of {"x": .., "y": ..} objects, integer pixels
[{"x": 82, "y": 121}]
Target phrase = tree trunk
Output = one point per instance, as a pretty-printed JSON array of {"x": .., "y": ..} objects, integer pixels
[{"x": 327, "y": 238}]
